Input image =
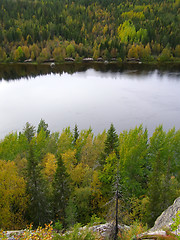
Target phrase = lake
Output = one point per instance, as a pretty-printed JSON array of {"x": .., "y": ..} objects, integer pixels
[{"x": 89, "y": 95}]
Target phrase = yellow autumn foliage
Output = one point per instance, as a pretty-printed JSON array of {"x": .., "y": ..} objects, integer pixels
[{"x": 13, "y": 198}]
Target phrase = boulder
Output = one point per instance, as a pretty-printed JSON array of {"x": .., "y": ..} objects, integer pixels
[{"x": 104, "y": 230}]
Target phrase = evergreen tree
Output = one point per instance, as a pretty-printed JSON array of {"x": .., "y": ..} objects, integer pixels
[
  {"x": 61, "y": 191},
  {"x": 157, "y": 163},
  {"x": 29, "y": 131},
  {"x": 76, "y": 134},
  {"x": 112, "y": 141},
  {"x": 71, "y": 213},
  {"x": 36, "y": 187},
  {"x": 154, "y": 191},
  {"x": 44, "y": 126}
]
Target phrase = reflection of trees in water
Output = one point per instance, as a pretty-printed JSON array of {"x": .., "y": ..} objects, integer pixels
[{"x": 17, "y": 71}]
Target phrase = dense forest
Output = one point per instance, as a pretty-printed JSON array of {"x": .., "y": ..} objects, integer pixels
[
  {"x": 71, "y": 176},
  {"x": 41, "y": 30}
]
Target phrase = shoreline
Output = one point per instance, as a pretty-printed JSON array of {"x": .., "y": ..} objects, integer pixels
[{"x": 48, "y": 63}]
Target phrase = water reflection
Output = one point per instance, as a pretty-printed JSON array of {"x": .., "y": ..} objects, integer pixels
[
  {"x": 17, "y": 71},
  {"x": 95, "y": 97}
]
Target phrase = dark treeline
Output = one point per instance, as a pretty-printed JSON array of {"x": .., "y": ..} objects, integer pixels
[
  {"x": 120, "y": 30},
  {"x": 72, "y": 176}
]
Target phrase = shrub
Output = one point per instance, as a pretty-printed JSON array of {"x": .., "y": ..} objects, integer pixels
[{"x": 134, "y": 231}]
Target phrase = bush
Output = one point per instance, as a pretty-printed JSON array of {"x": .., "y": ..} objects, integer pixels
[
  {"x": 96, "y": 220},
  {"x": 58, "y": 226},
  {"x": 135, "y": 229}
]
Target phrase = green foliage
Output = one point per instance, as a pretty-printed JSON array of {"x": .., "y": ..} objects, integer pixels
[
  {"x": 3, "y": 55},
  {"x": 81, "y": 141},
  {"x": 108, "y": 174},
  {"x": 70, "y": 50},
  {"x": 36, "y": 188},
  {"x": 82, "y": 200},
  {"x": 71, "y": 213},
  {"x": 142, "y": 36},
  {"x": 78, "y": 233},
  {"x": 58, "y": 226},
  {"x": 12, "y": 146},
  {"x": 29, "y": 131},
  {"x": 133, "y": 162},
  {"x": 165, "y": 55},
  {"x": 111, "y": 142},
  {"x": 175, "y": 225},
  {"x": 60, "y": 191},
  {"x": 65, "y": 141},
  {"x": 76, "y": 134},
  {"x": 127, "y": 32},
  {"x": 162, "y": 188},
  {"x": 96, "y": 220},
  {"x": 18, "y": 54},
  {"x": 138, "y": 209},
  {"x": 70, "y": 181},
  {"x": 85, "y": 29},
  {"x": 135, "y": 229},
  {"x": 44, "y": 126}
]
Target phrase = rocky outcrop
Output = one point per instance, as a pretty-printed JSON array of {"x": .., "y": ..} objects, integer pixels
[
  {"x": 163, "y": 223},
  {"x": 165, "y": 220},
  {"x": 104, "y": 230}
]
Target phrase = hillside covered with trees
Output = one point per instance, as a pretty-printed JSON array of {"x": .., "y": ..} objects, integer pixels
[
  {"x": 109, "y": 30},
  {"x": 71, "y": 177}
]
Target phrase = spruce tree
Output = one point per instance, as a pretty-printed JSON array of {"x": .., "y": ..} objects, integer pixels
[
  {"x": 71, "y": 213},
  {"x": 154, "y": 192},
  {"x": 112, "y": 141},
  {"x": 44, "y": 126},
  {"x": 36, "y": 187},
  {"x": 76, "y": 134},
  {"x": 61, "y": 191},
  {"x": 29, "y": 131}
]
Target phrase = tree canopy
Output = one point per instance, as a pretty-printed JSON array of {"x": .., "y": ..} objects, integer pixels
[
  {"x": 45, "y": 29},
  {"x": 70, "y": 176}
]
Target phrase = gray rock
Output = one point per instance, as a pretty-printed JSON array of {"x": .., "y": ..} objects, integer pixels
[
  {"x": 105, "y": 229},
  {"x": 165, "y": 220}
]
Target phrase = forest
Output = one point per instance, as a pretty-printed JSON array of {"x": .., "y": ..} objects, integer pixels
[
  {"x": 71, "y": 176},
  {"x": 55, "y": 30}
]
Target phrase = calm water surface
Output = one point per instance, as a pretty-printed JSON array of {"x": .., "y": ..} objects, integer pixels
[{"x": 92, "y": 98}]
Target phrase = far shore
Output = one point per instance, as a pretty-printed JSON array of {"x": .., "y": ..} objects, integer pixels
[{"x": 90, "y": 60}]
